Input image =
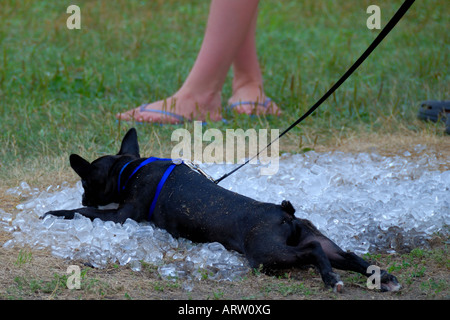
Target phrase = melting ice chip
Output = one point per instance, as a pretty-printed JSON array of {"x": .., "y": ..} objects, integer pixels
[{"x": 364, "y": 202}]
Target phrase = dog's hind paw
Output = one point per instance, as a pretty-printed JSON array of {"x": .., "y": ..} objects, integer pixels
[
  {"x": 389, "y": 282},
  {"x": 338, "y": 287},
  {"x": 332, "y": 280}
]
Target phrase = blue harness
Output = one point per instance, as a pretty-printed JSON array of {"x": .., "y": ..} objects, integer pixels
[{"x": 160, "y": 184}]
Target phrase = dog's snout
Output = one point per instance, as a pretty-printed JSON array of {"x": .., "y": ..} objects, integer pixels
[{"x": 84, "y": 201}]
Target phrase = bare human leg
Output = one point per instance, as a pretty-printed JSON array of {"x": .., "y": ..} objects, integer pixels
[
  {"x": 199, "y": 96},
  {"x": 248, "y": 92}
]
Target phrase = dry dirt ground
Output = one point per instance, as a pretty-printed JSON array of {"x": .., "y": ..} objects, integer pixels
[
  {"x": 35, "y": 274},
  {"x": 31, "y": 274}
]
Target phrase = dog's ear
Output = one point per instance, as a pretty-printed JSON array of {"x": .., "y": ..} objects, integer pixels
[
  {"x": 130, "y": 144},
  {"x": 80, "y": 166}
]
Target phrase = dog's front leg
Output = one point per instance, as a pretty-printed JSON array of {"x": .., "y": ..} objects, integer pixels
[
  {"x": 67, "y": 214},
  {"x": 116, "y": 215}
]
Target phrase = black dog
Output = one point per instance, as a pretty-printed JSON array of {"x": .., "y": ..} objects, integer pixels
[{"x": 187, "y": 204}]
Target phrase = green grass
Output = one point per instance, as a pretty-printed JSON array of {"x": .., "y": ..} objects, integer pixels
[{"x": 60, "y": 88}]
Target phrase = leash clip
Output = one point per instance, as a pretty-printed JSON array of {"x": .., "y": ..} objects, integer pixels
[{"x": 194, "y": 167}]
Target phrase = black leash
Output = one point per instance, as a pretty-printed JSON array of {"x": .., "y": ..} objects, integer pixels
[{"x": 390, "y": 25}]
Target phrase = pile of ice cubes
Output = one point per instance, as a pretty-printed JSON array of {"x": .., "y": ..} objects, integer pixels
[{"x": 364, "y": 202}]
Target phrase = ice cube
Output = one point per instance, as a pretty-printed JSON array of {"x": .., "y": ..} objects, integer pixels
[{"x": 355, "y": 199}]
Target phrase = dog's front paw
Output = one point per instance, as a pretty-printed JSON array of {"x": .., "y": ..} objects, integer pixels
[{"x": 67, "y": 214}]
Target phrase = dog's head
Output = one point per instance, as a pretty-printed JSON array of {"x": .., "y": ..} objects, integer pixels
[{"x": 98, "y": 182}]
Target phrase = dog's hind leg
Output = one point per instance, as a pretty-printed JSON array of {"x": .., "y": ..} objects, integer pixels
[
  {"x": 313, "y": 253},
  {"x": 340, "y": 259},
  {"x": 350, "y": 261},
  {"x": 285, "y": 256}
]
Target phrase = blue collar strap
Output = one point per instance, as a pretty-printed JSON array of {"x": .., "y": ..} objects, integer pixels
[{"x": 160, "y": 184}]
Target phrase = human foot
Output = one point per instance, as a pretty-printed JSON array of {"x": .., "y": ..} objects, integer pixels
[
  {"x": 176, "y": 109},
  {"x": 251, "y": 99}
]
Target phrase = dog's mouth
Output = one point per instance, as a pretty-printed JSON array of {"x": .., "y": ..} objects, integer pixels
[
  {"x": 88, "y": 204},
  {"x": 102, "y": 206},
  {"x": 85, "y": 202},
  {"x": 109, "y": 206}
]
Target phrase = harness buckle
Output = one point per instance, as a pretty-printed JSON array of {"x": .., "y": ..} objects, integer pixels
[{"x": 177, "y": 161}]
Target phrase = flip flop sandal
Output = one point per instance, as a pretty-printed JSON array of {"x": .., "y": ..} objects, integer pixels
[
  {"x": 264, "y": 104},
  {"x": 434, "y": 110},
  {"x": 180, "y": 119}
]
